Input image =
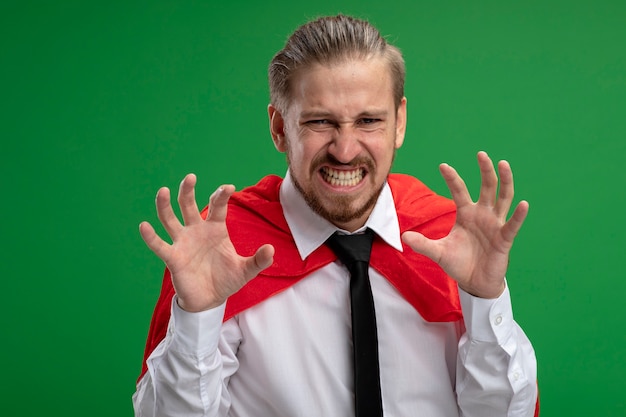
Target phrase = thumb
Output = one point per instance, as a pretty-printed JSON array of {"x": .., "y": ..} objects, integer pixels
[
  {"x": 421, "y": 244},
  {"x": 262, "y": 259}
]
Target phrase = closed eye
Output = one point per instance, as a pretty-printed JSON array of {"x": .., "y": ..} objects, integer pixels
[
  {"x": 318, "y": 122},
  {"x": 369, "y": 122}
]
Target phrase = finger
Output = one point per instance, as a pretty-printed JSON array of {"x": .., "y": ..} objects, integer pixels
[
  {"x": 421, "y": 244},
  {"x": 262, "y": 259},
  {"x": 505, "y": 196},
  {"x": 512, "y": 227},
  {"x": 218, "y": 203},
  {"x": 489, "y": 180},
  {"x": 154, "y": 242},
  {"x": 456, "y": 185},
  {"x": 187, "y": 200},
  {"x": 166, "y": 213}
]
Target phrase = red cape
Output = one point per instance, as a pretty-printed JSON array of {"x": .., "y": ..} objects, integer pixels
[
  {"x": 257, "y": 209},
  {"x": 255, "y": 217}
]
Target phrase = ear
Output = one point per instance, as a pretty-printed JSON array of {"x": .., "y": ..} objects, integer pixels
[
  {"x": 401, "y": 123},
  {"x": 277, "y": 128}
]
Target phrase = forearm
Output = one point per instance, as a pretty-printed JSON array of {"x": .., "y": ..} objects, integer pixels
[
  {"x": 497, "y": 369},
  {"x": 187, "y": 373}
]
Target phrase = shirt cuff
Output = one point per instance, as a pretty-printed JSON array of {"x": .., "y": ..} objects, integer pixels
[
  {"x": 488, "y": 320},
  {"x": 195, "y": 333}
]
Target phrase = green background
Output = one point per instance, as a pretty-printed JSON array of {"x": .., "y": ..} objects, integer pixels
[{"x": 104, "y": 102}]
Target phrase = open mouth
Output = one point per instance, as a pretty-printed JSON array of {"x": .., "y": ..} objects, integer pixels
[{"x": 342, "y": 178}]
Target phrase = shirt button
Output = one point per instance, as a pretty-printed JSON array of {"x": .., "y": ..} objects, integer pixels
[{"x": 498, "y": 320}]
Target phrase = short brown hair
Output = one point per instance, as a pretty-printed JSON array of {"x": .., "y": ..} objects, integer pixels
[{"x": 329, "y": 40}]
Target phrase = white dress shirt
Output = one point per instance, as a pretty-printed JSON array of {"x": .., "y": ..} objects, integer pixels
[{"x": 291, "y": 355}]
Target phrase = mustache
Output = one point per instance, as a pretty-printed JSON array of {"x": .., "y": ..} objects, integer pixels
[{"x": 328, "y": 159}]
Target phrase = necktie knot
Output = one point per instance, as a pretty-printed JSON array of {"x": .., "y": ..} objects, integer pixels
[{"x": 352, "y": 248}]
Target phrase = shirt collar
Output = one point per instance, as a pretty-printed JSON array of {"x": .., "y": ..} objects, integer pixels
[{"x": 310, "y": 230}]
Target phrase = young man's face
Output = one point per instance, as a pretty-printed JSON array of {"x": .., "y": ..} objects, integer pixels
[{"x": 340, "y": 133}]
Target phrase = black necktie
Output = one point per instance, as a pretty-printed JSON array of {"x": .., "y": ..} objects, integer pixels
[{"x": 354, "y": 252}]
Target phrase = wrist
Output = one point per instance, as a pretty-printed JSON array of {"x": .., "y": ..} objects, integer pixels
[
  {"x": 486, "y": 291},
  {"x": 197, "y": 307}
]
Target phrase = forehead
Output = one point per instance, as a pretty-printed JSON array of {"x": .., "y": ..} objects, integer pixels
[{"x": 343, "y": 85}]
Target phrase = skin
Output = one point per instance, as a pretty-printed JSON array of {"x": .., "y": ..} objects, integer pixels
[
  {"x": 476, "y": 251},
  {"x": 341, "y": 118}
]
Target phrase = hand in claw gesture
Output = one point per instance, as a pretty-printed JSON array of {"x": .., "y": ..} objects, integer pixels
[
  {"x": 476, "y": 251},
  {"x": 205, "y": 268}
]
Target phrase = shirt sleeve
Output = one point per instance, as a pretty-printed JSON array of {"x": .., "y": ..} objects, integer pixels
[
  {"x": 189, "y": 370},
  {"x": 497, "y": 368}
]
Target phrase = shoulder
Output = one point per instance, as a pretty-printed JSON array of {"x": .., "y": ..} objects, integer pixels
[
  {"x": 266, "y": 190},
  {"x": 410, "y": 193},
  {"x": 255, "y": 217}
]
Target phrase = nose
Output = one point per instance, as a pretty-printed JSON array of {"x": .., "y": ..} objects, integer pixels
[{"x": 345, "y": 144}]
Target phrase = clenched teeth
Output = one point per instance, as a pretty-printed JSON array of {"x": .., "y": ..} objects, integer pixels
[{"x": 342, "y": 178}]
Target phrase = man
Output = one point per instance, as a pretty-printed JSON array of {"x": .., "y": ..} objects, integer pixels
[{"x": 255, "y": 318}]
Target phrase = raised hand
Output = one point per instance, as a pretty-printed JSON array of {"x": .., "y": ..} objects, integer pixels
[
  {"x": 476, "y": 251},
  {"x": 204, "y": 265}
]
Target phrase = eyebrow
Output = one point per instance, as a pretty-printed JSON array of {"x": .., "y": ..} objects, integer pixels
[{"x": 314, "y": 114}]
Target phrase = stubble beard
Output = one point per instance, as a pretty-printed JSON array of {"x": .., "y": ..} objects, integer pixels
[{"x": 339, "y": 209}]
